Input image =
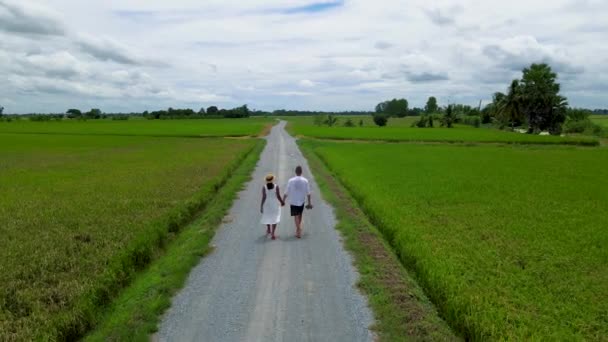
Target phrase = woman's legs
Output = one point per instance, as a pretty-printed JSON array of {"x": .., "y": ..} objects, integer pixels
[
  {"x": 267, "y": 229},
  {"x": 274, "y": 227}
]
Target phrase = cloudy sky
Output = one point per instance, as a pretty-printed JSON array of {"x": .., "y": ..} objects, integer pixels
[{"x": 133, "y": 55}]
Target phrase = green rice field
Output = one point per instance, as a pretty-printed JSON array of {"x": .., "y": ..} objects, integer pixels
[
  {"x": 177, "y": 128},
  {"x": 509, "y": 242},
  {"x": 81, "y": 214},
  {"x": 601, "y": 120},
  {"x": 399, "y": 130}
]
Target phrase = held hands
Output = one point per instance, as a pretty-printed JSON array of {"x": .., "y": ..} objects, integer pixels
[
  {"x": 309, "y": 206},
  {"x": 262, "y": 210},
  {"x": 282, "y": 203}
]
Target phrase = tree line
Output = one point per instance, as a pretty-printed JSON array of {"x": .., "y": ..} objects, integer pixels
[{"x": 533, "y": 102}]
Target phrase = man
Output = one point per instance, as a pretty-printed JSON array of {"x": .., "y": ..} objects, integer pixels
[{"x": 298, "y": 190}]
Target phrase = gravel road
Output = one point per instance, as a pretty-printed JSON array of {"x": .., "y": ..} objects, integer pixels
[{"x": 254, "y": 289}]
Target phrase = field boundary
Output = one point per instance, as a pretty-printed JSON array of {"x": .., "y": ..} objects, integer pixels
[
  {"x": 202, "y": 136},
  {"x": 401, "y": 308},
  {"x": 579, "y": 143}
]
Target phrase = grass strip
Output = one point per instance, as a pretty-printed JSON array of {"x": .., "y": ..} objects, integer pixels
[
  {"x": 134, "y": 315},
  {"x": 402, "y": 310}
]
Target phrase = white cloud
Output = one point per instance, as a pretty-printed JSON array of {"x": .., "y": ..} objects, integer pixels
[
  {"x": 134, "y": 55},
  {"x": 307, "y": 83}
]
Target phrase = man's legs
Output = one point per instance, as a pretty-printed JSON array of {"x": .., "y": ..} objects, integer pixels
[{"x": 298, "y": 220}]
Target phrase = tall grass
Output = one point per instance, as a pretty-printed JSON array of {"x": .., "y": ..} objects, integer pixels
[{"x": 508, "y": 242}]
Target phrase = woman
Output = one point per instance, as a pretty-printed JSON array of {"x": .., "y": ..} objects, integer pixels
[{"x": 271, "y": 209}]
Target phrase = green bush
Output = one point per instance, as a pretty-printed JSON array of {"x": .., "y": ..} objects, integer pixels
[
  {"x": 349, "y": 123},
  {"x": 471, "y": 120},
  {"x": 584, "y": 126},
  {"x": 380, "y": 119}
]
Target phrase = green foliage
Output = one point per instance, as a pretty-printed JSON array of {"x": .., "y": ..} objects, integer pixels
[
  {"x": 416, "y": 111},
  {"x": 487, "y": 113},
  {"x": 238, "y": 112},
  {"x": 584, "y": 126},
  {"x": 94, "y": 113},
  {"x": 361, "y": 123},
  {"x": 212, "y": 110},
  {"x": 431, "y": 106},
  {"x": 318, "y": 120},
  {"x": 578, "y": 114},
  {"x": 470, "y": 120},
  {"x": 507, "y": 252},
  {"x": 103, "y": 208},
  {"x": 380, "y": 120},
  {"x": 449, "y": 118},
  {"x": 510, "y": 106},
  {"x": 331, "y": 120},
  {"x": 394, "y": 108},
  {"x": 120, "y": 117},
  {"x": 422, "y": 122},
  {"x": 544, "y": 108},
  {"x": 292, "y": 113},
  {"x": 40, "y": 117},
  {"x": 349, "y": 123},
  {"x": 73, "y": 113}
]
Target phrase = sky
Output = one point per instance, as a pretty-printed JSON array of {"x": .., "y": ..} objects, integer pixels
[{"x": 135, "y": 55}]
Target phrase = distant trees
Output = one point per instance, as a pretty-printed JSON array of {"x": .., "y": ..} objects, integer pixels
[
  {"x": 544, "y": 107},
  {"x": 212, "y": 110},
  {"x": 74, "y": 113},
  {"x": 187, "y": 113},
  {"x": 534, "y": 99},
  {"x": 394, "y": 108},
  {"x": 1, "y": 111},
  {"x": 431, "y": 105},
  {"x": 509, "y": 107},
  {"x": 449, "y": 118},
  {"x": 284, "y": 112},
  {"x": 416, "y": 111},
  {"x": 238, "y": 112},
  {"x": 94, "y": 113}
]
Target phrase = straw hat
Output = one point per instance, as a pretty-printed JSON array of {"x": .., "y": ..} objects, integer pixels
[{"x": 269, "y": 178}]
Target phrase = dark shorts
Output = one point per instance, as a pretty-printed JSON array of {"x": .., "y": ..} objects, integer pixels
[{"x": 297, "y": 210}]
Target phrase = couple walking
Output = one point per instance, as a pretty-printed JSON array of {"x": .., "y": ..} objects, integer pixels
[{"x": 298, "y": 191}]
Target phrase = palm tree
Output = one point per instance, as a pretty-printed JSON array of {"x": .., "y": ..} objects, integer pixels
[{"x": 510, "y": 105}]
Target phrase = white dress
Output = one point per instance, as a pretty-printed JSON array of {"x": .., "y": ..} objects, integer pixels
[{"x": 272, "y": 207}]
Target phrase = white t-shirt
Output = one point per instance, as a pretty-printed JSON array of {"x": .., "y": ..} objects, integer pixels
[{"x": 297, "y": 190}]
